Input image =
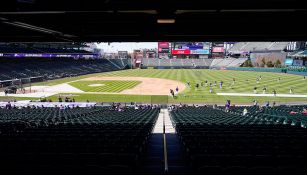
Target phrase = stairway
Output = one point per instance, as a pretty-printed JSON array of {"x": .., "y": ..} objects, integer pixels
[
  {"x": 153, "y": 160},
  {"x": 175, "y": 152},
  {"x": 153, "y": 163}
]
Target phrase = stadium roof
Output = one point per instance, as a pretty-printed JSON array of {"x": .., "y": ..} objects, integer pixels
[{"x": 136, "y": 20}]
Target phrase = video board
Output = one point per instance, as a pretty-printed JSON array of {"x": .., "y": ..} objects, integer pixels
[{"x": 191, "y": 48}]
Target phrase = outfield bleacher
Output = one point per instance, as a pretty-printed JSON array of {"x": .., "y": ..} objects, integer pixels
[
  {"x": 192, "y": 63},
  {"x": 219, "y": 142},
  {"x": 258, "y": 47},
  {"x": 74, "y": 141}
]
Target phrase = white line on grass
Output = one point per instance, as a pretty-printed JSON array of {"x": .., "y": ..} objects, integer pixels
[{"x": 262, "y": 95}]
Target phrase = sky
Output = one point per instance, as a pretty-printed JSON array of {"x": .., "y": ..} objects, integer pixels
[{"x": 126, "y": 46}]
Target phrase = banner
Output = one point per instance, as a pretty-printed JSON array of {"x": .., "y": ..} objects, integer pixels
[
  {"x": 163, "y": 47},
  {"x": 297, "y": 63},
  {"x": 176, "y": 52},
  {"x": 288, "y": 62},
  {"x": 218, "y": 49},
  {"x": 77, "y": 55}
]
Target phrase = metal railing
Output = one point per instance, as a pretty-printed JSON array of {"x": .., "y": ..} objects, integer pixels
[{"x": 165, "y": 147}]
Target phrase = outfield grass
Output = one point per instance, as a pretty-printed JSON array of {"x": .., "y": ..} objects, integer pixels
[
  {"x": 106, "y": 85},
  {"x": 244, "y": 83}
]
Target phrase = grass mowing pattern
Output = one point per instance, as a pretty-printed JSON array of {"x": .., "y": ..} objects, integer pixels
[
  {"x": 270, "y": 80},
  {"x": 202, "y": 95},
  {"x": 107, "y": 85}
]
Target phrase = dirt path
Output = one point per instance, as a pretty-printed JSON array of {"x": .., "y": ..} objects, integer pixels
[{"x": 148, "y": 86}]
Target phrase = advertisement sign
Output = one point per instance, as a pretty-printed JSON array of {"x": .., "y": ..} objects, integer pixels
[
  {"x": 297, "y": 63},
  {"x": 48, "y": 55},
  {"x": 163, "y": 47},
  {"x": 200, "y": 51},
  {"x": 218, "y": 49},
  {"x": 181, "y": 52},
  {"x": 288, "y": 61},
  {"x": 218, "y": 44}
]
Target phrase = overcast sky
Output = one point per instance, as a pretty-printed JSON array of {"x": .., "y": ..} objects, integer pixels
[{"x": 126, "y": 46}]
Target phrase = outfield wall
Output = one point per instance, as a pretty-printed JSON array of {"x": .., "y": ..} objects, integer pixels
[
  {"x": 175, "y": 67},
  {"x": 274, "y": 70}
]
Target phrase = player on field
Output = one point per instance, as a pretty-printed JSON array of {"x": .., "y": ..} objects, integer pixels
[
  {"x": 264, "y": 90},
  {"x": 291, "y": 90},
  {"x": 197, "y": 86},
  {"x": 274, "y": 92},
  {"x": 221, "y": 84},
  {"x": 255, "y": 90}
]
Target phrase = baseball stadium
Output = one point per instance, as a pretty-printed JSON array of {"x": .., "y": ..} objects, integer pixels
[
  {"x": 198, "y": 81},
  {"x": 157, "y": 88}
]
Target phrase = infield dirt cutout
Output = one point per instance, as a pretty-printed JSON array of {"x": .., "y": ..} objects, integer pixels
[{"x": 148, "y": 86}]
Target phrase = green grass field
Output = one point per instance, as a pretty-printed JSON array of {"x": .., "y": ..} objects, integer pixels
[
  {"x": 245, "y": 83},
  {"x": 106, "y": 85}
]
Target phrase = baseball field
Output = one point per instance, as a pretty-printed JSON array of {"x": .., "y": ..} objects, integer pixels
[{"x": 153, "y": 86}]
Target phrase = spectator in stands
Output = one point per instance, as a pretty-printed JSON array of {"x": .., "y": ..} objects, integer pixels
[
  {"x": 244, "y": 111},
  {"x": 136, "y": 107},
  {"x": 62, "y": 107},
  {"x": 293, "y": 112},
  {"x": 274, "y": 103},
  {"x": 227, "y": 106},
  {"x": 8, "y": 105},
  {"x": 304, "y": 111},
  {"x": 215, "y": 106}
]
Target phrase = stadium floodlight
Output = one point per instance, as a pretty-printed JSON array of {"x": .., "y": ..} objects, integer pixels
[{"x": 166, "y": 21}]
